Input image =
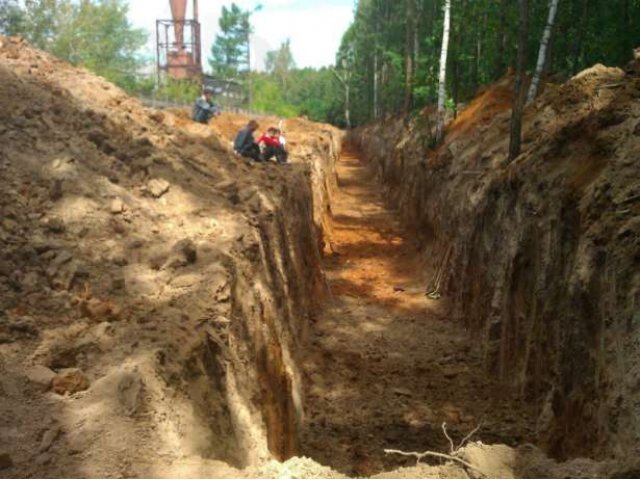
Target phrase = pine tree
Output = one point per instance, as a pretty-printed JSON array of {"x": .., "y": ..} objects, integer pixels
[
  {"x": 230, "y": 50},
  {"x": 518, "y": 94}
]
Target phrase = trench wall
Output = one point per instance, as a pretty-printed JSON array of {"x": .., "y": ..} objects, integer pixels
[{"x": 538, "y": 257}]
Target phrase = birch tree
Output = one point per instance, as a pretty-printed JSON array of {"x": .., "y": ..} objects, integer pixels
[
  {"x": 542, "y": 53},
  {"x": 442, "y": 77}
]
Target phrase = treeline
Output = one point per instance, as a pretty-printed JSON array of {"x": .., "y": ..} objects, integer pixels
[
  {"x": 282, "y": 89},
  {"x": 390, "y": 54},
  {"x": 95, "y": 34}
]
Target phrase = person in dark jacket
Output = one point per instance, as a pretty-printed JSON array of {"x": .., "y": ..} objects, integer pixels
[
  {"x": 245, "y": 145},
  {"x": 204, "y": 108}
]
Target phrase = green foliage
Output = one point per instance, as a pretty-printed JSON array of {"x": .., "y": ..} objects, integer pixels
[
  {"x": 179, "y": 90},
  {"x": 309, "y": 92},
  {"x": 11, "y": 17},
  {"x": 99, "y": 36},
  {"x": 230, "y": 50},
  {"x": 269, "y": 98},
  {"x": 484, "y": 37},
  {"x": 279, "y": 63},
  {"x": 95, "y": 34}
]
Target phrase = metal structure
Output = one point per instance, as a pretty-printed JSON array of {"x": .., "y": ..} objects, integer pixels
[{"x": 178, "y": 43}]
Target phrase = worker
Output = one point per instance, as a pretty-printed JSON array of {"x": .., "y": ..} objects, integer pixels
[
  {"x": 244, "y": 143},
  {"x": 271, "y": 146},
  {"x": 204, "y": 108}
]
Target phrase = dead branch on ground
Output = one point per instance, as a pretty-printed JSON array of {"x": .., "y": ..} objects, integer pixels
[
  {"x": 453, "y": 456},
  {"x": 428, "y": 453}
]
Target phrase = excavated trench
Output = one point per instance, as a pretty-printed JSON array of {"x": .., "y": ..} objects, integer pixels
[
  {"x": 385, "y": 366},
  {"x": 216, "y": 314}
]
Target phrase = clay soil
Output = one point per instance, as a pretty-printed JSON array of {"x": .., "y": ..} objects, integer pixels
[{"x": 385, "y": 368}]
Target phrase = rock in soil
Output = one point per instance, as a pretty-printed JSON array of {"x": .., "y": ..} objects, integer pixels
[
  {"x": 129, "y": 389},
  {"x": 48, "y": 438},
  {"x": 41, "y": 376},
  {"x": 183, "y": 253},
  {"x": 117, "y": 206},
  {"x": 69, "y": 381},
  {"x": 158, "y": 187}
]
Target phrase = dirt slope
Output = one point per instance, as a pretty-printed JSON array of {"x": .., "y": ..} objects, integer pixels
[
  {"x": 538, "y": 258},
  {"x": 152, "y": 301}
]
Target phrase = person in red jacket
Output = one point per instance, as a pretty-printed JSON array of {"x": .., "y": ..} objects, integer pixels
[{"x": 271, "y": 146}]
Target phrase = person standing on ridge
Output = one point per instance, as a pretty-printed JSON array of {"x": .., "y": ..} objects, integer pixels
[{"x": 204, "y": 108}]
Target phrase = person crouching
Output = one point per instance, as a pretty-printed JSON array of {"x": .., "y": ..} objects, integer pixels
[
  {"x": 204, "y": 108},
  {"x": 244, "y": 143},
  {"x": 272, "y": 147}
]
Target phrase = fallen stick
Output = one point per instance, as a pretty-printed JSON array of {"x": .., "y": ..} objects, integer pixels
[
  {"x": 428, "y": 453},
  {"x": 611, "y": 85}
]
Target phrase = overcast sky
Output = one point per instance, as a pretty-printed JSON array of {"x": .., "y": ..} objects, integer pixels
[{"x": 315, "y": 27}]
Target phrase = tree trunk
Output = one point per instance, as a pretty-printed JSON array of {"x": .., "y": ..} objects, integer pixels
[
  {"x": 442, "y": 77},
  {"x": 408, "y": 55},
  {"x": 518, "y": 97},
  {"x": 542, "y": 54},
  {"x": 376, "y": 108},
  {"x": 475, "y": 74},
  {"x": 550, "y": 61},
  {"x": 416, "y": 35},
  {"x": 579, "y": 45},
  {"x": 501, "y": 41},
  {"x": 344, "y": 80},
  {"x": 347, "y": 106}
]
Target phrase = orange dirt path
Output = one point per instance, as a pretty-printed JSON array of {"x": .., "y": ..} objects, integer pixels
[
  {"x": 372, "y": 259},
  {"x": 385, "y": 367}
]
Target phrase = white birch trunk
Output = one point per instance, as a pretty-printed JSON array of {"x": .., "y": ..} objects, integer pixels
[
  {"x": 442, "y": 78},
  {"x": 375, "y": 85},
  {"x": 542, "y": 53}
]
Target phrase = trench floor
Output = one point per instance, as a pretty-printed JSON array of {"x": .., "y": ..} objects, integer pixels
[{"x": 385, "y": 367}]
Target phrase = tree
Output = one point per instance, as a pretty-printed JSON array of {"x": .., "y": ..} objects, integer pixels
[
  {"x": 518, "y": 93},
  {"x": 442, "y": 77},
  {"x": 98, "y": 36},
  {"x": 230, "y": 50},
  {"x": 279, "y": 63},
  {"x": 542, "y": 54},
  {"x": 39, "y": 21},
  {"x": 95, "y": 34},
  {"x": 345, "y": 60},
  {"x": 11, "y": 17},
  {"x": 408, "y": 55}
]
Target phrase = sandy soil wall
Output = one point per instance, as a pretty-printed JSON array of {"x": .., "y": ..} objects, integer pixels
[
  {"x": 538, "y": 257},
  {"x": 155, "y": 290}
]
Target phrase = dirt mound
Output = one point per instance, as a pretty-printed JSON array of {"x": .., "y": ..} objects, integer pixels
[
  {"x": 150, "y": 276},
  {"x": 538, "y": 257}
]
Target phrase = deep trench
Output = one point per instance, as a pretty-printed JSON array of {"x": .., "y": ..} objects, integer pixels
[{"x": 385, "y": 366}]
